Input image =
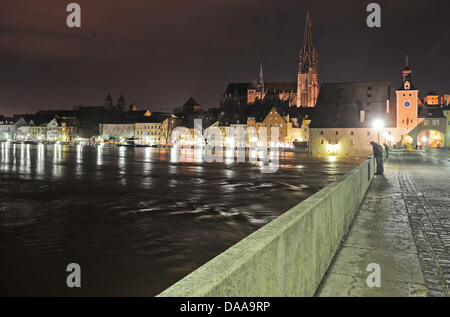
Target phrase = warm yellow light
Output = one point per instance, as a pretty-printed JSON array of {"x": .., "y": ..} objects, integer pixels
[
  {"x": 378, "y": 124},
  {"x": 333, "y": 147}
]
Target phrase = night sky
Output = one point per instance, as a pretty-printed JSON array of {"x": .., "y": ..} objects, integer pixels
[{"x": 158, "y": 53}]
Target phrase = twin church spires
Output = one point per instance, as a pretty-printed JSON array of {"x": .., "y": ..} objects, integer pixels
[
  {"x": 302, "y": 93},
  {"x": 307, "y": 76}
]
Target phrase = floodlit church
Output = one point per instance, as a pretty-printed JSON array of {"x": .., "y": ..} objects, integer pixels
[
  {"x": 302, "y": 93},
  {"x": 350, "y": 115}
]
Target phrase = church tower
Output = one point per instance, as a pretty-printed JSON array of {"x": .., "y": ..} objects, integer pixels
[
  {"x": 407, "y": 105},
  {"x": 308, "y": 73},
  {"x": 108, "y": 102}
]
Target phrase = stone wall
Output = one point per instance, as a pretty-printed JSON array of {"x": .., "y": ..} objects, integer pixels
[{"x": 290, "y": 255}]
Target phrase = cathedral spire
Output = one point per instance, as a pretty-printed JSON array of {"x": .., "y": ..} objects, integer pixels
[
  {"x": 308, "y": 73},
  {"x": 308, "y": 55}
]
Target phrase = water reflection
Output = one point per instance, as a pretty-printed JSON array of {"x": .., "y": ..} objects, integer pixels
[
  {"x": 40, "y": 159},
  {"x": 100, "y": 154},
  {"x": 146, "y": 216},
  {"x": 57, "y": 158}
]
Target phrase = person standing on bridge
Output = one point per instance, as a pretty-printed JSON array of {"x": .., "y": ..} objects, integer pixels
[
  {"x": 378, "y": 153},
  {"x": 386, "y": 148}
]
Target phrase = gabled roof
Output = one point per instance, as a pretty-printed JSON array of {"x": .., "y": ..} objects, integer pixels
[
  {"x": 191, "y": 102},
  {"x": 339, "y": 105},
  {"x": 237, "y": 89},
  {"x": 434, "y": 112},
  {"x": 432, "y": 93},
  {"x": 280, "y": 87}
]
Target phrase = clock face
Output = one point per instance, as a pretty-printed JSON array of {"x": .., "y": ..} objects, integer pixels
[{"x": 407, "y": 104}]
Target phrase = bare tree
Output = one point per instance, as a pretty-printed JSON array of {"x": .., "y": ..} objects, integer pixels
[{"x": 166, "y": 129}]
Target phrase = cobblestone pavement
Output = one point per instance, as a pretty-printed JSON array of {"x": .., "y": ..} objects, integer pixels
[
  {"x": 425, "y": 183},
  {"x": 403, "y": 225}
]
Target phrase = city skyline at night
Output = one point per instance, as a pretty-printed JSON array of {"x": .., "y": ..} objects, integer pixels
[
  {"x": 159, "y": 54},
  {"x": 225, "y": 155}
]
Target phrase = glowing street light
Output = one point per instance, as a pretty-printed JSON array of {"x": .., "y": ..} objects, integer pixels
[{"x": 378, "y": 125}]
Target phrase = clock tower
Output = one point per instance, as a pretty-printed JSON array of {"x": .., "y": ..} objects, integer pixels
[{"x": 407, "y": 105}]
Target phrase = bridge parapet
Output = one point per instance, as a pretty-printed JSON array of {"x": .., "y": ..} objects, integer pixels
[{"x": 290, "y": 255}]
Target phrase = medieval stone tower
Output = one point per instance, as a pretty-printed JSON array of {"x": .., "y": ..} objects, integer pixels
[
  {"x": 407, "y": 104},
  {"x": 308, "y": 73}
]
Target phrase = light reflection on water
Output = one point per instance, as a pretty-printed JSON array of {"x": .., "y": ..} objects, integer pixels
[{"x": 135, "y": 219}]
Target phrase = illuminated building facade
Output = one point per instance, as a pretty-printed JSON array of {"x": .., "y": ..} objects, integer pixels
[
  {"x": 344, "y": 121},
  {"x": 345, "y": 112}
]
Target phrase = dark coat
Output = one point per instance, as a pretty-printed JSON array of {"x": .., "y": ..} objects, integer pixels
[{"x": 377, "y": 150}]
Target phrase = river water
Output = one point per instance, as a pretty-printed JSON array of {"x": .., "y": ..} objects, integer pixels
[{"x": 136, "y": 220}]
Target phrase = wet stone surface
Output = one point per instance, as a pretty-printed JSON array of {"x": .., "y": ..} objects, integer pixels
[
  {"x": 425, "y": 182},
  {"x": 403, "y": 225}
]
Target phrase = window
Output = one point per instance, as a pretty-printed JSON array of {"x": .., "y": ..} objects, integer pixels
[
  {"x": 368, "y": 133},
  {"x": 352, "y": 132},
  {"x": 321, "y": 132},
  {"x": 369, "y": 88},
  {"x": 337, "y": 132},
  {"x": 321, "y": 142}
]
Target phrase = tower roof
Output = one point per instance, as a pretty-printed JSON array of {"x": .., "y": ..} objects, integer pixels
[
  {"x": 108, "y": 97},
  {"x": 308, "y": 54},
  {"x": 191, "y": 102},
  {"x": 406, "y": 75}
]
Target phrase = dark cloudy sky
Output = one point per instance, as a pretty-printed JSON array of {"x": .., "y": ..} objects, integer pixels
[{"x": 159, "y": 52}]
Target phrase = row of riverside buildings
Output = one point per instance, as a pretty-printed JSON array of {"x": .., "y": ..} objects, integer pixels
[{"x": 330, "y": 118}]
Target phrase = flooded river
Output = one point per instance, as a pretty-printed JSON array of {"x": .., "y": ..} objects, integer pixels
[{"x": 135, "y": 219}]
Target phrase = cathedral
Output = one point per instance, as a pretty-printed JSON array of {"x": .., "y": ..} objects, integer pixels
[{"x": 302, "y": 93}]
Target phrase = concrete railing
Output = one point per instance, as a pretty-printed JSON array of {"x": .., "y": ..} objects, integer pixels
[{"x": 290, "y": 255}]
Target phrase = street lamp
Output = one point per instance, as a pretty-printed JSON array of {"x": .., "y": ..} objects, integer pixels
[{"x": 378, "y": 125}]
